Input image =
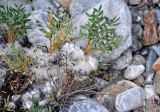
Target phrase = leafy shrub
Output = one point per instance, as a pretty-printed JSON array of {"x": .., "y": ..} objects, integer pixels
[
  {"x": 59, "y": 28},
  {"x": 100, "y": 31},
  {"x": 13, "y": 22},
  {"x": 18, "y": 60}
]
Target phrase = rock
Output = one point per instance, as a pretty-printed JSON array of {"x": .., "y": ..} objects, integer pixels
[
  {"x": 133, "y": 71},
  {"x": 28, "y": 8},
  {"x": 130, "y": 99},
  {"x": 78, "y": 7},
  {"x": 150, "y": 29},
  {"x": 152, "y": 57},
  {"x": 108, "y": 6},
  {"x": 135, "y": 2},
  {"x": 149, "y": 78},
  {"x": 43, "y": 4},
  {"x": 155, "y": 1},
  {"x": 35, "y": 36},
  {"x": 113, "y": 75},
  {"x": 64, "y": 3},
  {"x": 108, "y": 95},
  {"x": 156, "y": 83},
  {"x": 152, "y": 104},
  {"x": 86, "y": 105},
  {"x": 136, "y": 45},
  {"x": 138, "y": 60},
  {"x": 2, "y": 76},
  {"x": 156, "y": 65},
  {"x": 99, "y": 83},
  {"x": 136, "y": 18},
  {"x": 127, "y": 84},
  {"x": 159, "y": 30},
  {"x": 26, "y": 99},
  {"x": 123, "y": 61},
  {"x": 157, "y": 12},
  {"x": 144, "y": 52},
  {"x": 11, "y": 106},
  {"x": 139, "y": 81},
  {"x": 156, "y": 48},
  {"x": 149, "y": 91},
  {"x": 13, "y": 2}
]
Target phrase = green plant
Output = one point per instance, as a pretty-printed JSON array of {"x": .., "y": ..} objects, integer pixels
[
  {"x": 13, "y": 22},
  {"x": 18, "y": 61},
  {"x": 100, "y": 32},
  {"x": 59, "y": 28}
]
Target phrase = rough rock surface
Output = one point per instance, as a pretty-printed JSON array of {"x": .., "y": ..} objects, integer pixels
[
  {"x": 43, "y": 4},
  {"x": 35, "y": 36},
  {"x": 133, "y": 71},
  {"x": 87, "y": 105},
  {"x": 138, "y": 60},
  {"x": 108, "y": 95},
  {"x": 150, "y": 29},
  {"x": 123, "y": 61},
  {"x": 130, "y": 99},
  {"x": 123, "y": 29},
  {"x": 156, "y": 65},
  {"x": 156, "y": 82},
  {"x": 151, "y": 58}
]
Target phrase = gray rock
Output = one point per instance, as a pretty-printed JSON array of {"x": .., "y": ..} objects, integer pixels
[
  {"x": 156, "y": 48},
  {"x": 149, "y": 91},
  {"x": 127, "y": 84},
  {"x": 144, "y": 52},
  {"x": 139, "y": 81},
  {"x": 100, "y": 83},
  {"x": 152, "y": 57},
  {"x": 28, "y": 8},
  {"x": 78, "y": 7},
  {"x": 138, "y": 60},
  {"x": 124, "y": 28},
  {"x": 155, "y": 1},
  {"x": 156, "y": 82},
  {"x": 135, "y": 2},
  {"x": 2, "y": 76},
  {"x": 137, "y": 31},
  {"x": 136, "y": 36},
  {"x": 43, "y": 4},
  {"x": 123, "y": 61},
  {"x": 86, "y": 105},
  {"x": 130, "y": 99},
  {"x": 13, "y": 2},
  {"x": 133, "y": 71},
  {"x": 136, "y": 44},
  {"x": 108, "y": 95},
  {"x": 157, "y": 12},
  {"x": 35, "y": 36},
  {"x": 136, "y": 18}
]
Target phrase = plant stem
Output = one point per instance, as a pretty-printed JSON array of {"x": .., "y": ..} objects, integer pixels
[
  {"x": 10, "y": 36},
  {"x": 51, "y": 45},
  {"x": 87, "y": 49}
]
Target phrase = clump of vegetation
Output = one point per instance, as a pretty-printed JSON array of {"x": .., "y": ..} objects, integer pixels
[
  {"x": 18, "y": 61},
  {"x": 18, "y": 77},
  {"x": 100, "y": 32},
  {"x": 59, "y": 29},
  {"x": 13, "y": 22}
]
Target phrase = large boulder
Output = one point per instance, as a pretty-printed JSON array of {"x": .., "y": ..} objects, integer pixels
[
  {"x": 13, "y": 2},
  {"x": 86, "y": 105},
  {"x": 35, "y": 36},
  {"x": 130, "y": 99},
  {"x": 111, "y": 8}
]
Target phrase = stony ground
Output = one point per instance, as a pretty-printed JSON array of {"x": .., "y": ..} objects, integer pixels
[{"x": 128, "y": 81}]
